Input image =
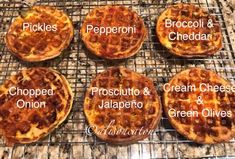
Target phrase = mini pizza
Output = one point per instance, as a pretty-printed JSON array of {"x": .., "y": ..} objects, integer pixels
[
  {"x": 200, "y": 105},
  {"x": 39, "y": 34},
  {"x": 113, "y": 32},
  {"x": 189, "y": 31},
  {"x": 32, "y": 104},
  {"x": 120, "y": 117}
]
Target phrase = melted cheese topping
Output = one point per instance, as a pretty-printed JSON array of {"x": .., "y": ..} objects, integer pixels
[
  {"x": 31, "y": 45},
  {"x": 113, "y": 45},
  {"x": 28, "y": 125}
]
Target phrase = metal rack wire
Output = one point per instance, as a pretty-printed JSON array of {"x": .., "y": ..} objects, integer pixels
[{"x": 79, "y": 66}]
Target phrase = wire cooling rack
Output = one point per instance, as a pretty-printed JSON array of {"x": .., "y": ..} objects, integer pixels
[{"x": 79, "y": 66}]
